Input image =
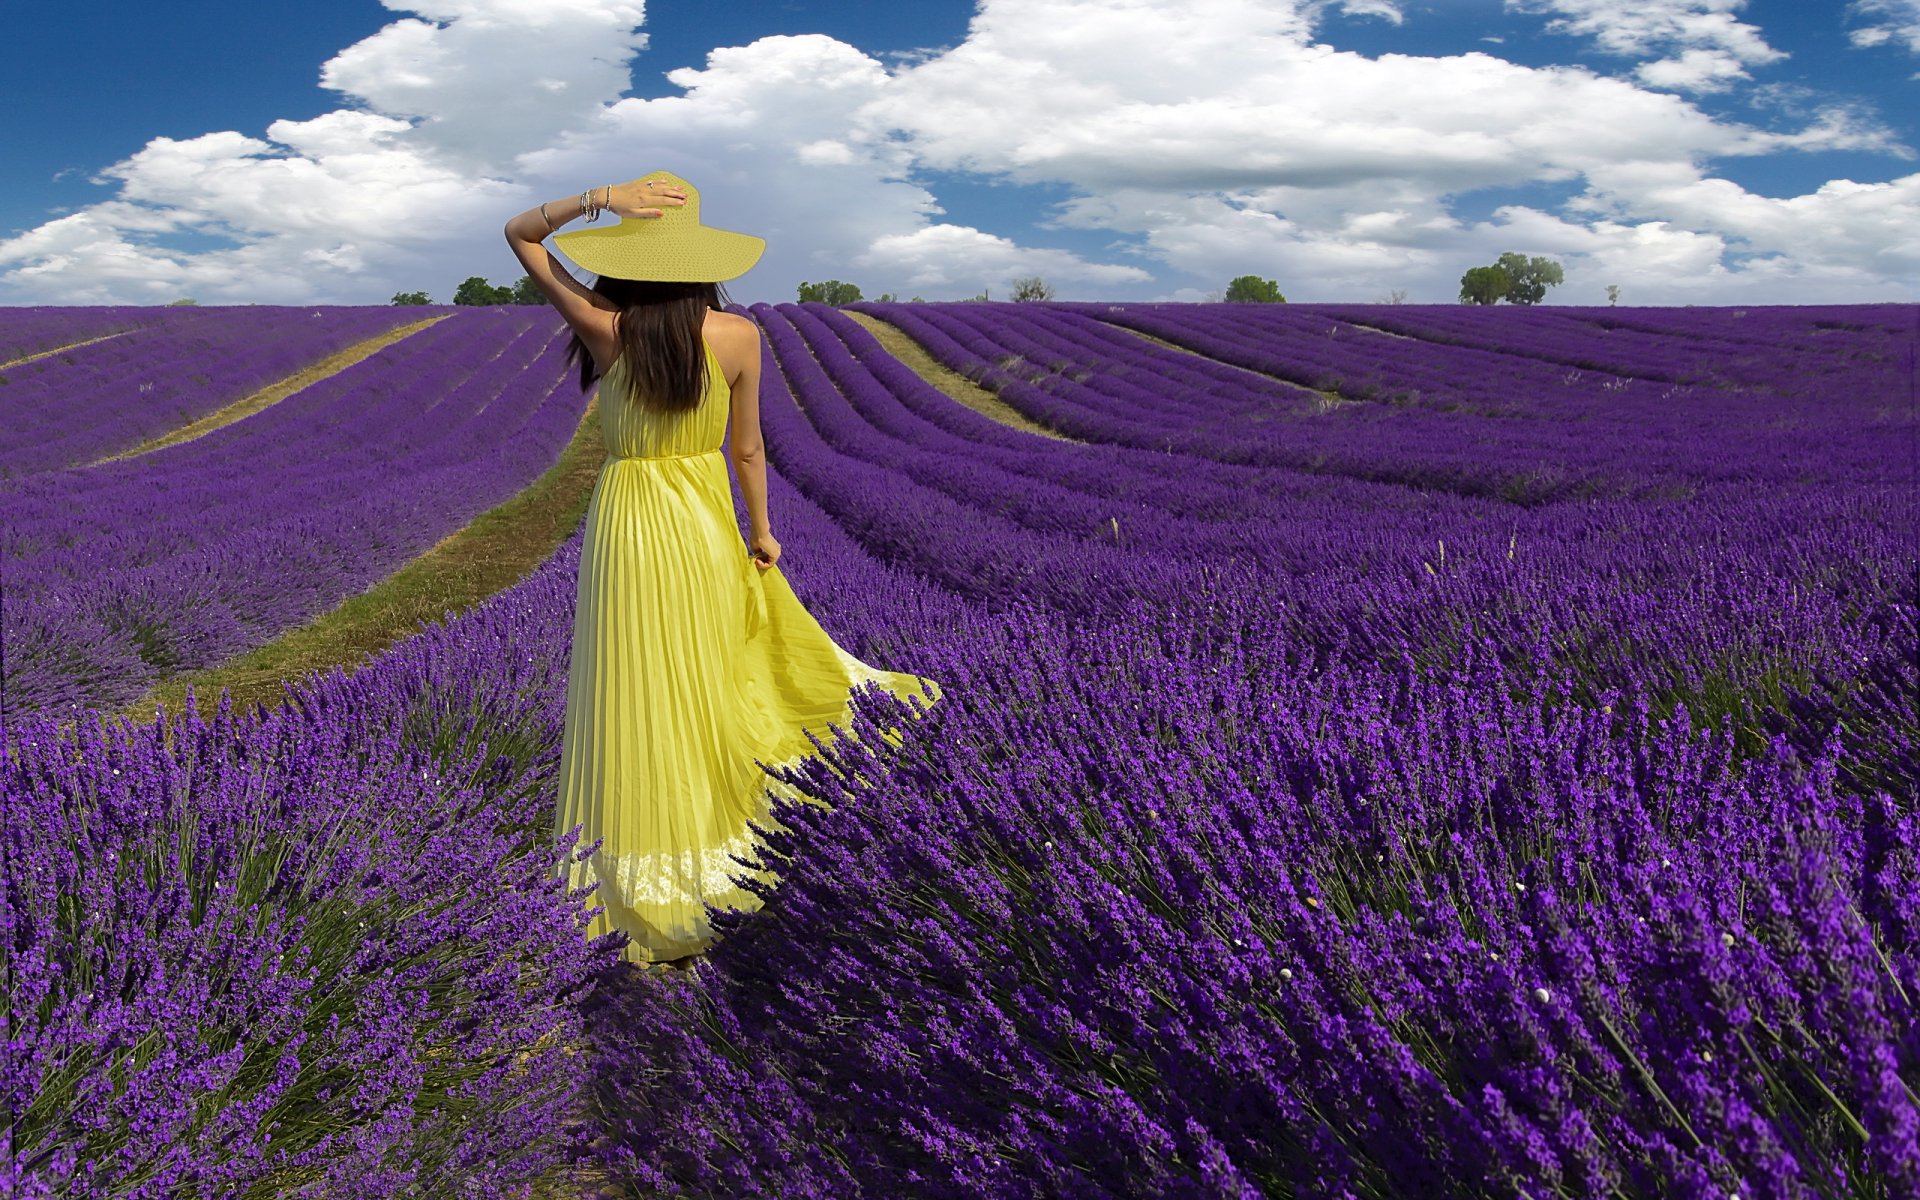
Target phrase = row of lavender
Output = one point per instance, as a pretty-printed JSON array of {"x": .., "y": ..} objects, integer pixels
[
  {"x": 1184, "y": 891},
  {"x": 26, "y": 332},
  {"x": 1800, "y": 351},
  {"x": 119, "y": 574},
  {"x": 324, "y": 951},
  {"x": 1796, "y": 348},
  {"x": 112, "y": 394},
  {"x": 1088, "y": 379},
  {"x": 1401, "y": 410}
]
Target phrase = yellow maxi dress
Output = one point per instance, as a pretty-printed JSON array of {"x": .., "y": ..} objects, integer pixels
[{"x": 688, "y": 663}]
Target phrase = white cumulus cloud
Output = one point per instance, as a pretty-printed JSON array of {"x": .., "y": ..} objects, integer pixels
[
  {"x": 305, "y": 213},
  {"x": 774, "y": 135},
  {"x": 947, "y": 256},
  {"x": 1886, "y": 21},
  {"x": 1693, "y": 45},
  {"x": 1238, "y": 143}
]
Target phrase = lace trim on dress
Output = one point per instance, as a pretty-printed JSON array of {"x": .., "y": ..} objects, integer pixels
[{"x": 686, "y": 877}]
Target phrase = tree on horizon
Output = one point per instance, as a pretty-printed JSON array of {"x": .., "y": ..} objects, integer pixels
[
  {"x": 831, "y": 291},
  {"x": 1251, "y": 289},
  {"x": 1513, "y": 277}
]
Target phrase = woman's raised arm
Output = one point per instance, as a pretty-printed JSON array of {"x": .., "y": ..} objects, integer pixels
[{"x": 587, "y": 312}]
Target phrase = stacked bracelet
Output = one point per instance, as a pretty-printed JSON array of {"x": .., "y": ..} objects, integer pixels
[{"x": 591, "y": 208}]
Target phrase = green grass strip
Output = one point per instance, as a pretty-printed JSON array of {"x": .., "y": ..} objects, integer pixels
[{"x": 496, "y": 550}]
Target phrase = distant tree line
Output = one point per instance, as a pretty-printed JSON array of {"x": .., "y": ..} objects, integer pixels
[
  {"x": 835, "y": 291},
  {"x": 1247, "y": 289},
  {"x": 1513, "y": 278},
  {"x": 477, "y": 291},
  {"x": 832, "y": 291}
]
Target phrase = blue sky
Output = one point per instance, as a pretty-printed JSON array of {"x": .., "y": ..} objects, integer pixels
[{"x": 1689, "y": 151}]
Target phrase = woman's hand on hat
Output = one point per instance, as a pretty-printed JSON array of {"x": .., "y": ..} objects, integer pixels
[{"x": 644, "y": 198}]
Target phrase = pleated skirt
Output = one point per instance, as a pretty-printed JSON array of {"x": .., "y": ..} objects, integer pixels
[{"x": 688, "y": 663}]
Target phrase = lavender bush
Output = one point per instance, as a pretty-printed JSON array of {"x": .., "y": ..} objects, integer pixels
[
  {"x": 318, "y": 952},
  {"x": 308, "y": 953}
]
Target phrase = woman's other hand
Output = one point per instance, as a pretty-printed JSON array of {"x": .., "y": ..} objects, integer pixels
[
  {"x": 765, "y": 550},
  {"x": 644, "y": 198}
]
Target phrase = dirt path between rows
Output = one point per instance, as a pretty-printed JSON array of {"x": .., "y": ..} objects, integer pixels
[
  {"x": 914, "y": 356},
  {"x": 27, "y": 358},
  {"x": 274, "y": 393}
]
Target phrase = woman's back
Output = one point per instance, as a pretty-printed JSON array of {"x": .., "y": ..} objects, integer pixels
[{"x": 632, "y": 429}]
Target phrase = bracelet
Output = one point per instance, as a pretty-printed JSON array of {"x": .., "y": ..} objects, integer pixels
[{"x": 545, "y": 217}]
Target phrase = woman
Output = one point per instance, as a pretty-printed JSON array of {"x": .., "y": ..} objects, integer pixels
[{"x": 691, "y": 659}]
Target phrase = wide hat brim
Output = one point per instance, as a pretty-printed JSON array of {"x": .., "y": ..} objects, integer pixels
[{"x": 673, "y": 248}]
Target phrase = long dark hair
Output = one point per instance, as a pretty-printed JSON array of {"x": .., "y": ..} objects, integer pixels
[{"x": 658, "y": 331}]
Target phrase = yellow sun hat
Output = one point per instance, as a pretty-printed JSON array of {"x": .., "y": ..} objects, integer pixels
[{"x": 672, "y": 248}]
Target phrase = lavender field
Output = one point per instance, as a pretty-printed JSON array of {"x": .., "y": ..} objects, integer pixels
[
  {"x": 120, "y": 572},
  {"x": 1388, "y": 751}
]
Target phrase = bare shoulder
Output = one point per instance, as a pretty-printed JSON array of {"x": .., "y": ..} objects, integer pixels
[
  {"x": 735, "y": 339},
  {"x": 732, "y": 328}
]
